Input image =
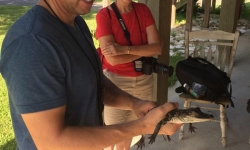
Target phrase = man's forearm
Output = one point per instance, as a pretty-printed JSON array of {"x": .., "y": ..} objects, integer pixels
[
  {"x": 49, "y": 132},
  {"x": 48, "y": 129},
  {"x": 96, "y": 138},
  {"x": 115, "y": 97}
]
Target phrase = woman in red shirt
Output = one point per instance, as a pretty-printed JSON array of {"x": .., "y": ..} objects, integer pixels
[{"x": 119, "y": 54}]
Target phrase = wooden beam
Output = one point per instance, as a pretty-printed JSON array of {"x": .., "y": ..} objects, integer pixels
[
  {"x": 165, "y": 7},
  {"x": 207, "y": 13},
  {"x": 213, "y": 5},
  {"x": 154, "y": 7},
  {"x": 203, "y": 4},
  {"x": 173, "y": 16},
  {"x": 161, "y": 10},
  {"x": 229, "y": 15},
  {"x": 180, "y": 3},
  {"x": 189, "y": 14}
]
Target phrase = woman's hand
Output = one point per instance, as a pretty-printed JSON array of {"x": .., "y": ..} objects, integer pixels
[{"x": 114, "y": 49}]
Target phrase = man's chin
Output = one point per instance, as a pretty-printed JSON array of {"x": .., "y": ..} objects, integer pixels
[{"x": 84, "y": 7}]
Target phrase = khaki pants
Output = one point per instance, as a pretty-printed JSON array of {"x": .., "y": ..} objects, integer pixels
[{"x": 140, "y": 87}]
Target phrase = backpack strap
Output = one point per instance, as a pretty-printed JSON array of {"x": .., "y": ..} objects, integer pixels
[{"x": 230, "y": 96}]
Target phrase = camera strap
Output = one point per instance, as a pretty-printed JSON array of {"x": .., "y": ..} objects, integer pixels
[
  {"x": 137, "y": 62},
  {"x": 119, "y": 17}
]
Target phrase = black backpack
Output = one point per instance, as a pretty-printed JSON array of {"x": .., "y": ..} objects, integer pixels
[{"x": 198, "y": 70}]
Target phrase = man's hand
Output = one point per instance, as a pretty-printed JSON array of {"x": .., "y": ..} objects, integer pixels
[
  {"x": 142, "y": 107},
  {"x": 154, "y": 116}
]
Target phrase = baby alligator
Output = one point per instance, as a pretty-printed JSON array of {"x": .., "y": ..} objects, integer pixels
[{"x": 190, "y": 115}]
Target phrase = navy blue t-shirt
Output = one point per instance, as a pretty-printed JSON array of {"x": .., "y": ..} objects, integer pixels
[{"x": 47, "y": 64}]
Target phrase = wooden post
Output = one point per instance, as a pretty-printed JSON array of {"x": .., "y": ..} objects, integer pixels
[
  {"x": 161, "y": 10},
  {"x": 203, "y": 4},
  {"x": 207, "y": 13},
  {"x": 213, "y": 5},
  {"x": 173, "y": 16},
  {"x": 229, "y": 16},
  {"x": 165, "y": 7},
  {"x": 154, "y": 7},
  {"x": 189, "y": 14},
  {"x": 180, "y": 3}
]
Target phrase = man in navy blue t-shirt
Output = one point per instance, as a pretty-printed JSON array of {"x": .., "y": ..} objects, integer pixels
[{"x": 56, "y": 87}]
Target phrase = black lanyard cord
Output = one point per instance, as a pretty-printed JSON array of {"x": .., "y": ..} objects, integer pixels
[{"x": 119, "y": 17}]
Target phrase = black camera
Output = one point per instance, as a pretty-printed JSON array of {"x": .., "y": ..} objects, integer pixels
[{"x": 147, "y": 65}]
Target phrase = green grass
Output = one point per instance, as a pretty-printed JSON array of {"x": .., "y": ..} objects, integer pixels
[
  {"x": 8, "y": 15},
  {"x": 7, "y": 141},
  {"x": 180, "y": 19},
  {"x": 245, "y": 13}
]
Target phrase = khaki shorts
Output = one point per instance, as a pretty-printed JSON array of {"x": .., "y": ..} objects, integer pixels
[{"x": 140, "y": 87}]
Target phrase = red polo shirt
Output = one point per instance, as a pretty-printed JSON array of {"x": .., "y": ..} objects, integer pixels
[{"x": 136, "y": 22}]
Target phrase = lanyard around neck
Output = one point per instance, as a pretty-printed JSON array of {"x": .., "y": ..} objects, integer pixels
[{"x": 119, "y": 17}]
